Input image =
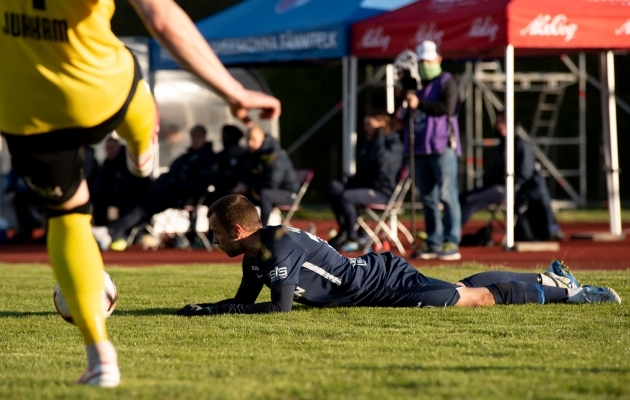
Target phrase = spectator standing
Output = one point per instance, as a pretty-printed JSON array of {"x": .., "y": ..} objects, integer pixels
[
  {"x": 269, "y": 177},
  {"x": 436, "y": 149},
  {"x": 380, "y": 160}
]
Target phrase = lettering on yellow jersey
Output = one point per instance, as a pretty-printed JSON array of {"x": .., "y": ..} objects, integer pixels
[
  {"x": 39, "y": 4},
  {"x": 39, "y": 28}
]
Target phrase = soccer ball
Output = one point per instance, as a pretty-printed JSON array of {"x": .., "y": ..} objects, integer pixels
[{"x": 110, "y": 296}]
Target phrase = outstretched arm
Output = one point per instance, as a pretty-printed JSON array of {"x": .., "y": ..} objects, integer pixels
[
  {"x": 281, "y": 301},
  {"x": 172, "y": 27}
]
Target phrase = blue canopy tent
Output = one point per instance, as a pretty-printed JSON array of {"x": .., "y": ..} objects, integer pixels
[
  {"x": 262, "y": 31},
  {"x": 272, "y": 31}
]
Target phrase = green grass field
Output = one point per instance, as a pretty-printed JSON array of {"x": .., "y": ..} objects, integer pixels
[{"x": 560, "y": 351}]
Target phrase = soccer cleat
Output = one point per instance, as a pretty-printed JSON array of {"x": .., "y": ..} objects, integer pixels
[
  {"x": 119, "y": 245},
  {"x": 142, "y": 166},
  {"x": 102, "y": 236},
  {"x": 593, "y": 294},
  {"x": 102, "y": 375},
  {"x": 560, "y": 273},
  {"x": 450, "y": 252}
]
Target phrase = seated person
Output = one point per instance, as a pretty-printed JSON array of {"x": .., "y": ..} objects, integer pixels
[
  {"x": 380, "y": 161},
  {"x": 118, "y": 187},
  {"x": 532, "y": 198},
  {"x": 30, "y": 211},
  {"x": 231, "y": 163},
  {"x": 183, "y": 185},
  {"x": 269, "y": 177}
]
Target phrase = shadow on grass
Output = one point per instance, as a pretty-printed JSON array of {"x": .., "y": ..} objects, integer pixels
[
  {"x": 482, "y": 369},
  {"x": 20, "y": 314},
  {"x": 148, "y": 311}
]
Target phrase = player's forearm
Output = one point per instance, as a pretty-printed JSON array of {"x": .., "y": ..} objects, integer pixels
[
  {"x": 172, "y": 27},
  {"x": 258, "y": 308},
  {"x": 281, "y": 301}
]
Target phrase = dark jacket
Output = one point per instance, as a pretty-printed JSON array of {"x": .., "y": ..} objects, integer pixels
[
  {"x": 117, "y": 180},
  {"x": 231, "y": 167},
  {"x": 191, "y": 173},
  {"x": 524, "y": 169},
  {"x": 270, "y": 167},
  {"x": 380, "y": 161}
]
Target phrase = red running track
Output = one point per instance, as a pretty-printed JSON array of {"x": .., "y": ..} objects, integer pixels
[{"x": 578, "y": 254}]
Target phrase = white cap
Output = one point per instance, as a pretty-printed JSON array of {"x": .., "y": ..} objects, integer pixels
[{"x": 427, "y": 50}]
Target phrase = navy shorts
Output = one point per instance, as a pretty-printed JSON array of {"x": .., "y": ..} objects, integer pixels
[{"x": 409, "y": 288}]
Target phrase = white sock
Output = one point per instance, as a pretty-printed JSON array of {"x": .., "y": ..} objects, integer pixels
[
  {"x": 574, "y": 295},
  {"x": 547, "y": 280},
  {"x": 101, "y": 353}
]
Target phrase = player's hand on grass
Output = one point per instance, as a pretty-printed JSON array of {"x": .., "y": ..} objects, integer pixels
[{"x": 193, "y": 310}]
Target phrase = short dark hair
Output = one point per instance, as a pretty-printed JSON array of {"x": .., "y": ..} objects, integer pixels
[
  {"x": 232, "y": 132},
  {"x": 384, "y": 117},
  {"x": 198, "y": 129},
  {"x": 235, "y": 209}
]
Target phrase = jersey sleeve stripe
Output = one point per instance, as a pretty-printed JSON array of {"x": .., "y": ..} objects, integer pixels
[{"x": 322, "y": 272}]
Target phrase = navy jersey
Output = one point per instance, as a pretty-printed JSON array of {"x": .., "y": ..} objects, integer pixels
[{"x": 316, "y": 275}]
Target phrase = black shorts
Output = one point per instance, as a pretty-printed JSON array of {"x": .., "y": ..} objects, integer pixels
[{"x": 51, "y": 163}]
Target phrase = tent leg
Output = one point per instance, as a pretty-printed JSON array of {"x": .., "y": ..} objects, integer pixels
[
  {"x": 582, "y": 125},
  {"x": 352, "y": 114},
  {"x": 609, "y": 136},
  {"x": 509, "y": 144},
  {"x": 389, "y": 83},
  {"x": 345, "y": 139}
]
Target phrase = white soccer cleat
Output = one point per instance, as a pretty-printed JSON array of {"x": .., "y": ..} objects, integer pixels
[
  {"x": 102, "y": 375},
  {"x": 102, "y": 236},
  {"x": 142, "y": 166},
  {"x": 593, "y": 294}
]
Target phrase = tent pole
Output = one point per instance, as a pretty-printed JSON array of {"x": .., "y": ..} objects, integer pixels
[
  {"x": 345, "y": 137},
  {"x": 609, "y": 132},
  {"x": 582, "y": 125},
  {"x": 352, "y": 114},
  {"x": 509, "y": 145},
  {"x": 470, "y": 146},
  {"x": 389, "y": 88}
]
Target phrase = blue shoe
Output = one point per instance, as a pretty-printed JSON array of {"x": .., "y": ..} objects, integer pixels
[
  {"x": 450, "y": 252},
  {"x": 560, "y": 273},
  {"x": 594, "y": 294},
  {"x": 349, "y": 246}
]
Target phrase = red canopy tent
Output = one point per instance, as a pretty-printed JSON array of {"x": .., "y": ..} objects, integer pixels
[{"x": 484, "y": 28}]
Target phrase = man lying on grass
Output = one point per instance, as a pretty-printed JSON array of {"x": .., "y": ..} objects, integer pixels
[{"x": 298, "y": 266}]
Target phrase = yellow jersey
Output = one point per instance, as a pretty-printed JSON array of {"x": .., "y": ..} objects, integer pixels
[{"x": 60, "y": 65}]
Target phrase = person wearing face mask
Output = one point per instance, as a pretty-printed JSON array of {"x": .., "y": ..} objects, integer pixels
[{"x": 436, "y": 148}]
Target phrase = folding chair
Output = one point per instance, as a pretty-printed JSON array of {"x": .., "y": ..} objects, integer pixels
[
  {"x": 305, "y": 176},
  {"x": 175, "y": 222},
  {"x": 387, "y": 220}
]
